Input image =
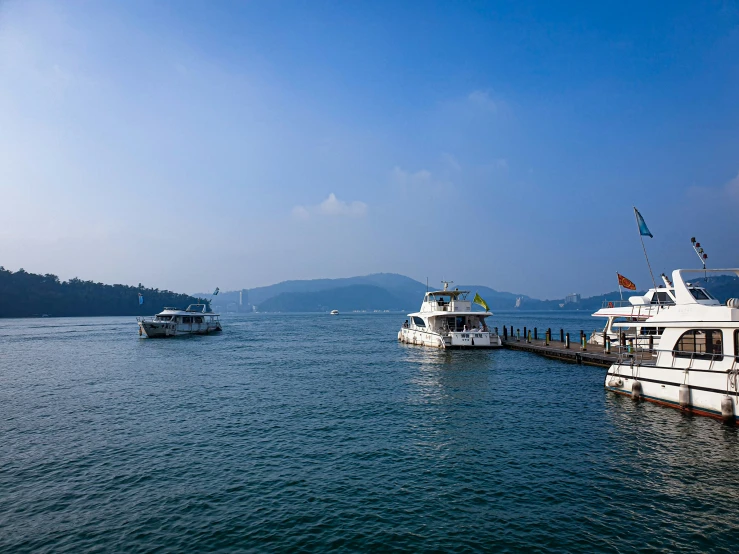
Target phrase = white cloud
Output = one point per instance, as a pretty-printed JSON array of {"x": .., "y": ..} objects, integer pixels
[
  {"x": 332, "y": 206},
  {"x": 451, "y": 162},
  {"x": 409, "y": 179},
  {"x": 732, "y": 187},
  {"x": 481, "y": 99}
]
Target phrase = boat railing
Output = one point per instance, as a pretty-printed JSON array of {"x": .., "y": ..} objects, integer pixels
[{"x": 637, "y": 354}]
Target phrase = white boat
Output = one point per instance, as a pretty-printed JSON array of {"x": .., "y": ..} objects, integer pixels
[
  {"x": 626, "y": 318},
  {"x": 446, "y": 320},
  {"x": 173, "y": 322},
  {"x": 695, "y": 364},
  {"x": 334, "y": 312}
]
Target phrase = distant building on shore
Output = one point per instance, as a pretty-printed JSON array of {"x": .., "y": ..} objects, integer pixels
[{"x": 573, "y": 298}]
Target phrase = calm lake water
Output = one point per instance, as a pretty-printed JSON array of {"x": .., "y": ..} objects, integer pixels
[{"x": 306, "y": 433}]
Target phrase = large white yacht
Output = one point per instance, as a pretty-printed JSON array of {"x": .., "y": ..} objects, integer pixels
[
  {"x": 173, "y": 322},
  {"x": 695, "y": 364},
  {"x": 446, "y": 320}
]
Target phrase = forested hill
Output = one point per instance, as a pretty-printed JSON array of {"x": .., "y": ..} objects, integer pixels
[{"x": 25, "y": 294}]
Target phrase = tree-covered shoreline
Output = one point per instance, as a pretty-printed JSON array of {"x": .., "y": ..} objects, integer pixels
[{"x": 24, "y": 294}]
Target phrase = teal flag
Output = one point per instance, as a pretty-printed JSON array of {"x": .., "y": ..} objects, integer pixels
[
  {"x": 215, "y": 292},
  {"x": 141, "y": 299},
  {"x": 643, "y": 229}
]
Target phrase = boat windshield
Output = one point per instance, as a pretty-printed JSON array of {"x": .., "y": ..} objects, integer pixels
[
  {"x": 163, "y": 318},
  {"x": 699, "y": 294}
]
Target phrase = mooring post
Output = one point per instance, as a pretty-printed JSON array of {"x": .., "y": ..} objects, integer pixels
[
  {"x": 511, "y": 332},
  {"x": 546, "y": 337},
  {"x": 584, "y": 342},
  {"x": 651, "y": 343},
  {"x": 518, "y": 335},
  {"x": 567, "y": 340},
  {"x": 631, "y": 346},
  {"x": 529, "y": 336},
  {"x": 505, "y": 332},
  {"x": 608, "y": 344},
  {"x": 536, "y": 334},
  {"x": 561, "y": 335},
  {"x": 524, "y": 332}
]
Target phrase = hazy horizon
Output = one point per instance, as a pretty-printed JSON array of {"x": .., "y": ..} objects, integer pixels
[{"x": 189, "y": 145}]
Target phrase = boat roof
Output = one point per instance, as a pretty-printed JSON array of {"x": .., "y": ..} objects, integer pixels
[
  {"x": 191, "y": 309},
  {"x": 453, "y": 293},
  {"x": 439, "y": 313}
]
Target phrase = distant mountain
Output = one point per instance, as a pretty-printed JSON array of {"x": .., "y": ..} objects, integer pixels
[
  {"x": 400, "y": 292},
  {"x": 398, "y": 285},
  {"x": 344, "y": 299}
]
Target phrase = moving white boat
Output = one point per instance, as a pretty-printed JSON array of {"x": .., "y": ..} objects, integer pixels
[
  {"x": 173, "y": 322},
  {"x": 695, "y": 364},
  {"x": 446, "y": 320},
  {"x": 334, "y": 312}
]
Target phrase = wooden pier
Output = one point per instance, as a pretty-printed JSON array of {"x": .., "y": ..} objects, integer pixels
[
  {"x": 559, "y": 347},
  {"x": 593, "y": 355}
]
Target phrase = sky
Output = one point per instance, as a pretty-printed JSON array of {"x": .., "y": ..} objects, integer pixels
[{"x": 189, "y": 145}]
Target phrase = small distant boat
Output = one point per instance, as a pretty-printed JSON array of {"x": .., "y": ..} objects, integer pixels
[
  {"x": 446, "y": 320},
  {"x": 334, "y": 312},
  {"x": 173, "y": 322}
]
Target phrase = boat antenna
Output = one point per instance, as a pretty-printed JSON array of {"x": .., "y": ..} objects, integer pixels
[
  {"x": 427, "y": 285},
  {"x": 702, "y": 256}
]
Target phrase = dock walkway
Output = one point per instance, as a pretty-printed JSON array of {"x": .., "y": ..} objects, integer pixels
[{"x": 594, "y": 355}]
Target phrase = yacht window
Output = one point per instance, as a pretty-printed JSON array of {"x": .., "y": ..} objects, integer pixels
[
  {"x": 164, "y": 317},
  {"x": 661, "y": 297},
  {"x": 700, "y": 344},
  {"x": 186, "y": 319},
  {"x": 698, "y": 294},
  {"x": 418, "y": 321},
  {"x": 198, "y": 319}
]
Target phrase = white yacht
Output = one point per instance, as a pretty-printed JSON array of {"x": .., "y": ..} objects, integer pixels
[
  {"x": 173, "y": 322},
  {"x": 446, "y": 320},
  {"x": 695, "y": 364},
  {"x": 334, "y": 312},
  {"x": 626, "y": 317}
]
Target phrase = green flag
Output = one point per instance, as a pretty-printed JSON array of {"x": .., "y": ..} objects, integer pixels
[{"x": 480, "y": 302}]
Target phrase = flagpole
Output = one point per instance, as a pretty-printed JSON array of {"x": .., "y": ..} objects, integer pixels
[
  {"x": 620, "y": 292},
  {"x": 641, "y": 238}
]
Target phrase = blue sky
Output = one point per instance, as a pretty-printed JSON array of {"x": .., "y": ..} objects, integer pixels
[{"x": 188, "y": 145}]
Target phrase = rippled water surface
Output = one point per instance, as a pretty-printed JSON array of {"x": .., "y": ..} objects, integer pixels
[{"x": 310, "y": 433}]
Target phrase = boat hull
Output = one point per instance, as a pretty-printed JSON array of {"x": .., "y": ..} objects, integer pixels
[
  {"x": 466, "y": 340},
  {"x": 161, "y": 330},
  {"x": 706, "y": 389}
]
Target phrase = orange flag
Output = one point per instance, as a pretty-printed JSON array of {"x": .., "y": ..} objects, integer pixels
[{"x": 625, "y": 283}]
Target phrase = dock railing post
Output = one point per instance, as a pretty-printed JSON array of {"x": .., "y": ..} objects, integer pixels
[
  {"x": 546, "y": 338},
  {"x": 561, "y": 335},
  {"x": 525, "y": 334},
  {"x": 518, "y": 335},
  {"x": 511, "y": 332},
  {"x": 529, "y": 337},
  {"x": 567, "y": 340},
  {"x": 505, "y": 332},
  {"x": 536, "y": 334}
]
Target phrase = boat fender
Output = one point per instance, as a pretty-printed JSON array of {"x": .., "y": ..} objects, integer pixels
[
  {"x": 140, "y": 331},
  {"x": 733, "y": 302},
  {"x": 615, "y": 383},
  {"x": 727, "y": 409},
  {"x": 636, "y": 390},
  {"x": 684, "y": 396},
  {"x": 400, "y": 335}
]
